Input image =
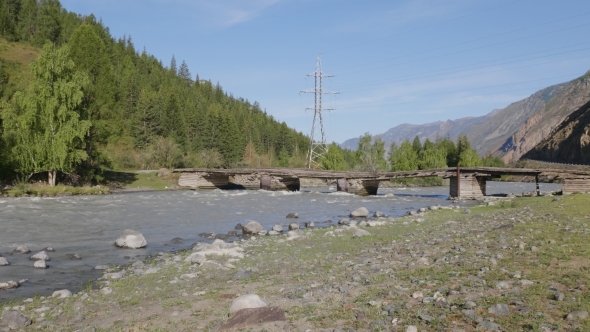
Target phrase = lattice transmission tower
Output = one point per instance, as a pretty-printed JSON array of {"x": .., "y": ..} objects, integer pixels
[{"x": 317, "y": 140}]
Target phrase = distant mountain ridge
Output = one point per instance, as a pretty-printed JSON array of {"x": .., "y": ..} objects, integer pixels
[{"x": 507, "y": 133}]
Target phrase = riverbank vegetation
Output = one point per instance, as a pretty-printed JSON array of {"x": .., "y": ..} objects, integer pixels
[{"x": 510, "y": 265}]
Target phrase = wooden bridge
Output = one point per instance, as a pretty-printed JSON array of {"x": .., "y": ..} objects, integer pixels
[{"x": 467, "y": 182}]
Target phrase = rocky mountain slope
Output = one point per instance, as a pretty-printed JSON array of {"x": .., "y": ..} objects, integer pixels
[
  {"x": 509, "y": 132},
  {"x": 569, "y": 142}
]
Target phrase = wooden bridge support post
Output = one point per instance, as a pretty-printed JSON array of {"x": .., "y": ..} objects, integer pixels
[
  {"x": 363, "y": 187},
  {"x": 538, "y": 191},
  {"x": 342, "y": 185}
]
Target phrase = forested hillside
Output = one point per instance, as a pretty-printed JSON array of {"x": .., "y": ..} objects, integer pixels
[{"x": 141, "y": 113}]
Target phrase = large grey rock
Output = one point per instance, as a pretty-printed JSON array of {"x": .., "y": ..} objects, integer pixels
[
  {"x": 41, "y": 255},
  {"x": 22, "y": 249},
  {"x": 15, "y": 320},
  {"x": 344, "y": 222},
  {"x": 293, "y": 226},
  {"x": 131, "y": 239},
  {"x": 8, "y": 284},
  {"x": 247, "y": 301},
  {"x": 361, "y": 212},
  {"x": 40, "y": 264},
  {"x": 277, "y": 228},
  {"x": 252, "y": 228},
  {"x": 62, "y": 294},
  {"x": 3, "y": 261}
]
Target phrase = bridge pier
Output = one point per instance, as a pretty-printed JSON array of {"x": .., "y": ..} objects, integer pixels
[
  {"x": 342, "y": 185},
  {"x": 468, "y": 187},
  {"x": 204, "y": 180},
  {"x": 289, "y": 183},
  {"x": 363, "y": 187},
  {"x": 571, "y": 186}
]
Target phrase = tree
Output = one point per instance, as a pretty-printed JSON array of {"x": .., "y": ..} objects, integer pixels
[
  {"x": 404, "y": 158},
  {"x": 466, "y": 157},
  {"x": 45, "y": 124},
  {"x": 173, "y": 68},
  {"x": 416, "y": 144},
  {"x": 371, "y": 156},
  {"x": 333, "y": 159},
  {"x": 185, "y": 74}
]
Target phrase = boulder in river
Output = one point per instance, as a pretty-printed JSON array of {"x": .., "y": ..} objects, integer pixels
[
  {"x": 252, "y": 228},
  {"x": 40, "y": 256},
  {"x": 10, "y": 284},
  {"x": 3, "y": 261},
  {"x": 131, "y": 239},
  {"x": 293, "y": 215},
  {"x": 361, "y": 212},
  {"x": 293, "y": 226},
  {"x": 379, "y": 214},
  {"x": 277, "y": 228},
  {"x": 22, "y": 249},
  {"x": 40, "y": 264}
]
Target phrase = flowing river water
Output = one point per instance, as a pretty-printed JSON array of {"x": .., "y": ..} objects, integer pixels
[{"x": 89, "y": 225}]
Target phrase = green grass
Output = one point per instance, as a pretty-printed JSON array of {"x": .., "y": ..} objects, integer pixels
[{"x": 120, "y": 179}]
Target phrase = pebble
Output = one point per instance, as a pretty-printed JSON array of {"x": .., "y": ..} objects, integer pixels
[
  {"x": 499, "y": 310},
  {"x": 559, "y": 296},
  {"x": 411, "y": 328}
]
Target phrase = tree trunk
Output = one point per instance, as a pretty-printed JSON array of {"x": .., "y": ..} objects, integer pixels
[{"x": 51, "y": 175}]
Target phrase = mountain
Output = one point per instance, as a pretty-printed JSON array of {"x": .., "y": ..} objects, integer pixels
[
  {"x": 568, "y": 143},
  {"x": 507, "y": 133}
]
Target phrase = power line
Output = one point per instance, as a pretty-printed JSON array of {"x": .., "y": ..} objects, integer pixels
[
  {"x": 415, "y": 77},
  {"x": 469, "y": 41},
  {"x": 421, "y": 28}
]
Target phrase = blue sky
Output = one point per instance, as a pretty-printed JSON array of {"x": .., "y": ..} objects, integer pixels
[{"x": 394, "y": 62}]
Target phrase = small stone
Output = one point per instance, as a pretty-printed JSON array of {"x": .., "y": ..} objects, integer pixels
[
  {"x": 3, "y": 261},
  {"x": 360, "y": 233},
  {"x": 534, "y": 249},
  {"x": 293, "y": 215},
  {"x": 411, "y": 328},
  {"x": 379, "y": 214},
  {"x": 470, "y": 305},
  {"x": 467, "y": 211},
  {"x": 559, "y": 296},
  {"x": 577, "y": 315},
  {"x": 309, "y": 224},
  {"x": 490, "y": 326},
  {"x": 502, "y": 285},
  {"x": 62, "y": 294},
  {"x": 49, "y": 249},
  {"x": 361, "y": 212},
  {"x": 344, "y": 222},
  {"x": 499, "y": 310},
  {"x": 417, "y": 295}
]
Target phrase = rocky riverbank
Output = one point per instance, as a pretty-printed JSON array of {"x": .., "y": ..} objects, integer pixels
[{"x": 509, "y": 265}]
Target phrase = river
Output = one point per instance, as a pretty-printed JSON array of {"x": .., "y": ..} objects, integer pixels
[{"x": 89, "y": 225}]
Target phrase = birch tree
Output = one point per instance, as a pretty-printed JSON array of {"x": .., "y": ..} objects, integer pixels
[{"x": 44, "y": 123}]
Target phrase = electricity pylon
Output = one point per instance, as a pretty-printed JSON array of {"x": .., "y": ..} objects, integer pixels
[{"x": 317, "y": 140}]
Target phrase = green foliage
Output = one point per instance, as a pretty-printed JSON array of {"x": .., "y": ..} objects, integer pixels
[
  {"x": 489, "y": 161},
  {"x": 416, "y": 144},
  {"x": 466, "y": 157},
  {"x": 370, "y": 154},
  {"x": 334, "y": 159},
  {"x": 404, "y": 158},
  {"x": 44, "y": 125}
]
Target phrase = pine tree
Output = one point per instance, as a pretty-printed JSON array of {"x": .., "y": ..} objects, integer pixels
[
  {"x": 416, "y": 144},
  {"x": 45, "y": 124},
  {"x": 185, "y": 74},
  {"x": 173, "y": 68}
]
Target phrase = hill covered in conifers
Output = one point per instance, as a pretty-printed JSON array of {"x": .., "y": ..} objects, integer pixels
[{"x": 143, "y": 114}]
